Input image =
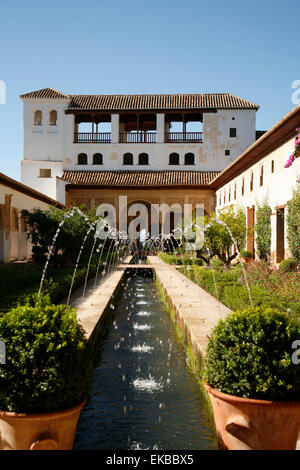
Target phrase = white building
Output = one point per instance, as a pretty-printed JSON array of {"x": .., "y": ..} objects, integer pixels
[
  {"x": 156, "y": 133},
  {"x": 259, "y": 173},
  {"x": 14, "y": 197}
]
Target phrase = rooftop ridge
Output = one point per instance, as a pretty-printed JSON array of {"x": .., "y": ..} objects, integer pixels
[{"x": 145, "y": 101}]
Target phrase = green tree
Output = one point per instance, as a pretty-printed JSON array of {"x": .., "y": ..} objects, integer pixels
[
  {"x": 263, "y": 230},
  {"x": 218, "y": 239},
  {"x": 42, "y": 225}
]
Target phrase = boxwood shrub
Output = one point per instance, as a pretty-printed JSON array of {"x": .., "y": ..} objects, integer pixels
[
  {"x": 246, "y": 254},
  {"x": 48, "y": 361},
  {"x": 249, "y": 355},
  {"x": 288, "y": 265}
]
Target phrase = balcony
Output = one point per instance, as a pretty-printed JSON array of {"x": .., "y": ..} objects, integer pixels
[
  {"x": 138, "y": 137},
  {"x": 92, "y": 137},
  {"x": 184, "y": 137}
]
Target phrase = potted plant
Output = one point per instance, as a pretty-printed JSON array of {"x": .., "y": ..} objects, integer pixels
[
  {"x": 246, "y": 256},
  {"x": 252, "y": 377},
  {"x": 45, "y": 378}
]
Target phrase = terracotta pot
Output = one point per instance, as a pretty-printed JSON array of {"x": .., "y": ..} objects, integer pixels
[
  {"x": 44, "y": 431},
  {"x": 248, "y": 424}
]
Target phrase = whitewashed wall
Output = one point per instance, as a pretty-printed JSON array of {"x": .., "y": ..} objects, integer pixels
[
  {"x": 16, "y": 246},
  {"x": 277, "y": 187},
  {"x": 52, "y": 146}
]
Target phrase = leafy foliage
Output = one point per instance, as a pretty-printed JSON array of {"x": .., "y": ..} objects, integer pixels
[
  {"x": 288, "y": 265},
  {"x": 180, "y": 259},
  {"x": 249, "y": 355},
  {"x": 263, "y": 230},
  {"x": 293, "y": 224},
  {"x": 270, "y": 287},
  {"x": 48, "y": 362},
  {"x": 246, "y": 254},
  {"x": 19, "y": 281},
  {"x": 42, "y": 225},
  {"x": 217, "y": 237}
]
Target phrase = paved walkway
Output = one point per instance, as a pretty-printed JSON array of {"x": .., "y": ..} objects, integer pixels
[
  {"x": 96, "y": 300},
  {"x": 196, "y": 310}
]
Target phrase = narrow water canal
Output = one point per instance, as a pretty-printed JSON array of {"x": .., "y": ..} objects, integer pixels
[{"x": 144, "y": 396}]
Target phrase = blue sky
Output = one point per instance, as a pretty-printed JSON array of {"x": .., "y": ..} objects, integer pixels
[{"x": 247, "y": 48}]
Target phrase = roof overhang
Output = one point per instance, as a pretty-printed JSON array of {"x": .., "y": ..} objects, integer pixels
[{"x": 281, "y": 132}]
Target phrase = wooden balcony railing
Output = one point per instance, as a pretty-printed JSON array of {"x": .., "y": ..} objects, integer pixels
[
  {"x": 184, "y": 137},
  {"x": 138, "y": 137},
  {"x": 92, "y": 137}
]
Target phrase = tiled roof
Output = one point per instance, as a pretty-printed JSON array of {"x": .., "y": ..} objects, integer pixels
[
  {"x": 135, "y": 179},
  {"x": 46, "y": 93},
  {"x": 22, "y": 188},
  {"x": 160, "y": 102},
  {"x": 146, "y": 102},
  {"x": 282, "y": 131}
]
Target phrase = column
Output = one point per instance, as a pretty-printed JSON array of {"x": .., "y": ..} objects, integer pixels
[
  {"x": 160, "y": 128},
  {"x": 115, "y": 128}
]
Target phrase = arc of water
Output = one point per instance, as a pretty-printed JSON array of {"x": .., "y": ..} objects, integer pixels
[
  {"x": 221, "y": 222},
  {"x": 66, "y": 216},
  {"x": 88, "y": 266},
  {"x": 100, "y": 255},
  {"x": 92, "y": 227}
]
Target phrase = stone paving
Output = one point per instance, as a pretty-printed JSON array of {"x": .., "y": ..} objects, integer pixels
[{"x": 197, "y": 311}]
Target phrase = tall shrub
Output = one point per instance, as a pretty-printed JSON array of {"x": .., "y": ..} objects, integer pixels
[
  {"x": 42, "y": 225},
  {"x": 263, "y": 230},
  {"x": 293, "y": 224}
]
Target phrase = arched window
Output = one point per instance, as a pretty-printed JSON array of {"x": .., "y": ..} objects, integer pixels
[
  {"x": 127, "y": 159},
  {"x": 143, "y": 159},
  {"x": 53, "y": 117},
  {"x": 38, "y": 120},
  {"x": 189, "y": 159},
  {"x": 174, "y": 159},
  {"x": 82, "y": 159},
  {"x": 97, "y": 159}
]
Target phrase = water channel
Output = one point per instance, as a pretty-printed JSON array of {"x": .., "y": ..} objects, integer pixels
[{"x": 144, "y": 396}]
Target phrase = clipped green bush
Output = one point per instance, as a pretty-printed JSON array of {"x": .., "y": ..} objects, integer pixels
[
  {"x": 48, "y": 362},
  {"x": 249, "y": 354},
  {"x": 246, "y": 254},
  {"x": 288, "y": 265}
]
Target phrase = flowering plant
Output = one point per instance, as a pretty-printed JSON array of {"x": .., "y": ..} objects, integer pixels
[{"x": 293, "y": 155}]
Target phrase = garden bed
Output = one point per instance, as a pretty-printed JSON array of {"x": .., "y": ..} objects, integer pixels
[
  {"x": 269, "y": 286},
  {"x": 18, "y": 281}
]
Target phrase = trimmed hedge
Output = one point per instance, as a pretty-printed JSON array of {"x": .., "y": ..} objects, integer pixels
[
  {"x": 249, "y": 354},
  {"x": 48, "y": 361},
  {"x": 184, "y": 259},
  {"x": 288, "y": 265}
]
